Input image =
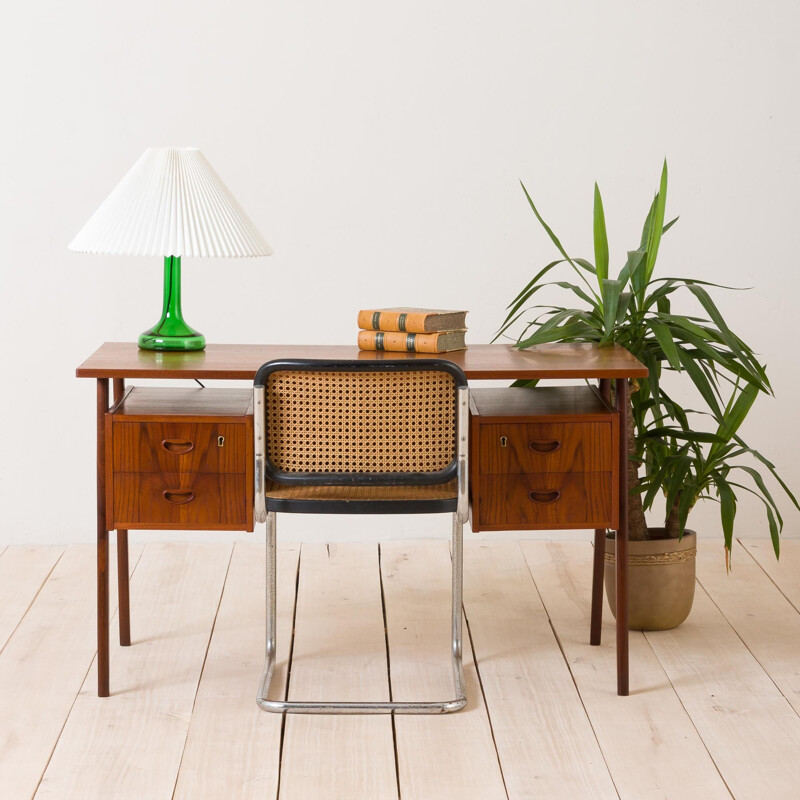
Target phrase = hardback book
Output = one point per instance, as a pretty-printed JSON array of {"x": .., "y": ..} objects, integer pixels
[
  {"x": 396, "y": 342},
  {"x": 411, "y": 320}
]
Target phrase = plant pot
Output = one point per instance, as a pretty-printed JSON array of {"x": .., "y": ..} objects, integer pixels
[{"x": 661, "y": 577}]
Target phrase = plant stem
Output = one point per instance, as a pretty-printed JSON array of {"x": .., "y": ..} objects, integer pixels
[{"x": 671, "y": 525}]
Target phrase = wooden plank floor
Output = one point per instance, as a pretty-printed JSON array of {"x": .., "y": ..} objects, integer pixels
[{"x": 714, "y": 710}]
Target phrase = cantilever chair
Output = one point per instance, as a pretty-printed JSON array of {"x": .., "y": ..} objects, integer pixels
[{"x": 361, "y": 437}]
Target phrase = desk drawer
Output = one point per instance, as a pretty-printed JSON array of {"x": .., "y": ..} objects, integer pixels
[
  {"x": 180, "y": 500},
  {"x": 552, "y": 500},
  {"x": 516, "y": 448},
  {"x": 183, "y": 447}
]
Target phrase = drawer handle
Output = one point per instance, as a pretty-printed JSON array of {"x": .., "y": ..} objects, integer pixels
[
  {"x": 544, "y": 447},
  {"x": 177, "y": 446},
  {"x": 544, "y": 498},
  {"x": 179, "y": 498}
]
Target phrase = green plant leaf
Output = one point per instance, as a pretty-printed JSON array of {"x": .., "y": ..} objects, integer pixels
[
  {"x": 687, "y": 281},
  {"x": 648, "y": 223},
  {"x": 669, "y": 225},
  {"x": 593, "y": 302},
  {"x": 600, "y": 238},
  {"x": 657, "y": 224},
  {"x": 700, "y": 381},
  {"x": 568, "y": 332},
  {"x": 728, "y": 337},
  {"x": 664, "y": 336},
  {"x": 771, "y": 468},
  {"x": 611, "y": 291},
  {"x": 623, "y": 306},
  {"x": 586, "y": 265},
  {"x": 534, "y": 281},
  {"x": 516, "y": 313},
  {"x": 737, "y": 411},
  {"x": 727, "y": 510},
  {"x": 774, "y": 533},
  {"x": 553, "y": 237},
  {"x": 679, "y": 433},
  {"x": 762, "y": 487}
]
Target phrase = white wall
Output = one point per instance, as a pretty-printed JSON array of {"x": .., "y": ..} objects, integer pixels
[{"x": 378, "y": 147}]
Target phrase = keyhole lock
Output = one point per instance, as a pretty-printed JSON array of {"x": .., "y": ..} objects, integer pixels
[
  {"x": 503, "y": 441},
  {"x": 220, "y": 441}
]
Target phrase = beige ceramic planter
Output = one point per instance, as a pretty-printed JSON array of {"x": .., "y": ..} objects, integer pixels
[{"x": 661, "y": 576}]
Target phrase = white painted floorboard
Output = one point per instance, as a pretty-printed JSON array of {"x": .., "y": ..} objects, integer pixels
[{"x": 713, "y": 711}]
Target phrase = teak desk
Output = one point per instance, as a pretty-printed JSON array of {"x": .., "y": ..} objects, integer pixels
[{"x": 121, "y": 361}]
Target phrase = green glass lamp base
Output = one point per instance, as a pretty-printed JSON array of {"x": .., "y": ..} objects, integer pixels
[
  {"x": 171, "y": 332},
  {"x": 153, "y": 340}
]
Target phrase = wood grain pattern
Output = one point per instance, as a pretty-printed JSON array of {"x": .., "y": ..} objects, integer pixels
[
  {"x": 233, "y": 748},
  {"x": 573, "y": 452},
  {"x": 180, "y": 459},
  {"x": 622, "y": 404},
  {"x": 541, "y": 403},
  {"x": 785, "y": 573},
  {"x": 139, "y": 733},
  {"x": 42, "y": 668},
  {"x": 203, "y": 501},
  {"x": 179, "y": 447},
  {"x": 448, "y": 755},
  {"x": 598, "y": 555},
  {"x": 648, "y": 740},
  {"x": 514, "y": 448},
  {"x": 339, "y": 654},
  {"x": 480, "y": 361},
  {"x": 101, "y": 573},
  {"x": 198, "y": 405},
  {"x": 544, "y": 739},
  {"x": 23, "y": 571},
  {"x": 583, "y": 501},
  {"x": 123, "y": 565},
  {"x": 735, "y": 706},
  {"x": 762, "y": 617}
]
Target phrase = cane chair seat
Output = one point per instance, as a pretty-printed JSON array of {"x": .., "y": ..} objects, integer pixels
[{"x": 328, "y": 493}]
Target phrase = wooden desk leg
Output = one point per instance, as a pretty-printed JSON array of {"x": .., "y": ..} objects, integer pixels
[
  {"x": 599, "y": 557},
  {"x": 102, "y": 543},
  {"x": 123, "y": 572},
  {"x": 622, "y": 403}
]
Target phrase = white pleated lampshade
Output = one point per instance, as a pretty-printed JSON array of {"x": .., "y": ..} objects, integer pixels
[{"x": 171, "y": 203}]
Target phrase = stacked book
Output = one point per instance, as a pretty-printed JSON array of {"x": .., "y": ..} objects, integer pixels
[{"x": 411, "y": 330}]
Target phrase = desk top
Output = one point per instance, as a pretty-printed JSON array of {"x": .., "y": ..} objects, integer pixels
[{"x": 479, "y": 362}]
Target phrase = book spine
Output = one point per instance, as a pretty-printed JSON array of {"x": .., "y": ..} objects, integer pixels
[
  {"x": 392, "y": 321},
  {"x": 396, "y": 342}
]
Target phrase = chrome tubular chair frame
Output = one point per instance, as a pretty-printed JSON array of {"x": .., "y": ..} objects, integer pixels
[{"x": 459, "y": 517}]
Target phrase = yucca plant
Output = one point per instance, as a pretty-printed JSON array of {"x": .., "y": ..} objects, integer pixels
[
  {"x": 635, "y": 310},
  {"x": 687, "y": 465}
]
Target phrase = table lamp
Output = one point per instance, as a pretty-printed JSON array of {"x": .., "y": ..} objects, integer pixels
[{"x": 172, "y": 204}]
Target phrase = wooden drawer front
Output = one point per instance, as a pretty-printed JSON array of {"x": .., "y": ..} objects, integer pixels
[
  {"x": 160, "y": 500},
  {"x": 544, "y": 447},
  {"x": 559, "y": 500},
  {"x": 179, "y": 447}
]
